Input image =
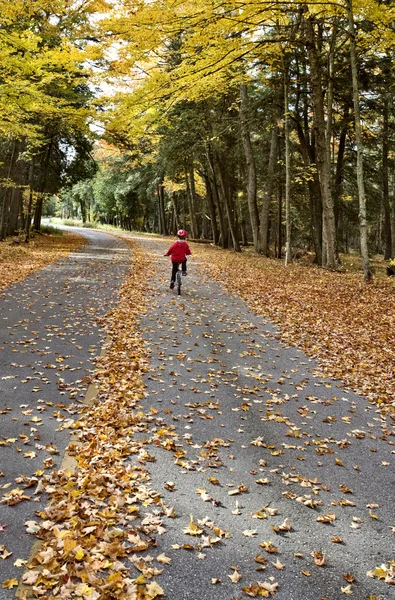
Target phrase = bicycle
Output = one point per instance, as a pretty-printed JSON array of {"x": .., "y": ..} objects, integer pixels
[{"x": 178, "y": 280}]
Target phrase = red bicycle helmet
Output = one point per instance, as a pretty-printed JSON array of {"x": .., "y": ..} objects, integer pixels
[{"x": 182, "y": 233}]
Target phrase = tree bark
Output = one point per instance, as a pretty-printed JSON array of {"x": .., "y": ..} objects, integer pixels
[
  {"x": 30, "y": 202},
  {"x": 386, "y": 199},
  {"x": 175, "y": 210},
  {"x": 251, "y": 167},
  {"x": 322, "y": 156},
  {"x": 367, "y": 272},
  {"x": 221, "y": 217},
  {"x": 162, "y": 213},
  {"x": 191, "y": 206},
  {"x": 211, "y": 207},
  {"x": 228, "y": 205},
  {"x": 7, "y": 195},
  {"x": 287, "y": 152},
  {"x": 268, "y": 191}
]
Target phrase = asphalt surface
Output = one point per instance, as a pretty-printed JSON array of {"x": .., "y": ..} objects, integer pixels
[
  {"x": 50, "y": 334},
  {"x": 247, "y": 407}
]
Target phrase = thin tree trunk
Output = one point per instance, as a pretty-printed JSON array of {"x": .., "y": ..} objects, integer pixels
[
  {"x": 228, "y": 207},
  {"x": 194, "y": 200},
  {"x": 322, "y": 156},
  {"x": 175, "y": 210},
  {"x": 393, "y": 219},
  {"x": 221, "y": 218},
  {"x": 287, "y": 169},
  {"x": 251, "y": 168},
  {"x": 30, "y": 203},
  {"x": 211, "y": 207},
  {"x": 367, "y": 272},
  {"x": 162, "y": 213},
  {"x": 386, "y": 200},
  {"x": 280, "y": 222},
  {"x": 191, "y": 207},
  {"x": 268, "y": 191},
  {"x": 329, "y": 94}
]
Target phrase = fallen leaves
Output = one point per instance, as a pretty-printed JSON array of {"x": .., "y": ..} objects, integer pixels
[
  {"x": 192, "y": 528},
  {"x": 94, "y": 517},
  {"x": 17, "y": 261},
  {"x": 385, "y": 572},
  {"x": 261, "y": 590},
  {"x": 9, "y": 584},
  {"x": 276, "y": 293}
]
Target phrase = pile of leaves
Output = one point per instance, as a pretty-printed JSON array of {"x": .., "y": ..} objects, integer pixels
[
  {"x": 102, "y": 513},
  {"x": 336, "y": 317},
  {"x": 18, "y": 260}
]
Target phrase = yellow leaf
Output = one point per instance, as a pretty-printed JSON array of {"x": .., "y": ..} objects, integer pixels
[
  {"x": 79, "y": 553},
  {"x": 235, "y": 577},
  {"x": 31, "y": 454},
  {"x": 192, "y": 528},
  {"x": 153, "y": 590},
  {"x": 9, "y": 584}
]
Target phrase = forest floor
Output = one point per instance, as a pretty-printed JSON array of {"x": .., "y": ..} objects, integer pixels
[
  {"x": 226, "y": 453},
  {"x": 18, "y": 260}
]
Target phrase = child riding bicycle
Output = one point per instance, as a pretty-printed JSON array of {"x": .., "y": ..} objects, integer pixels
[{"x": 178, "y": 253}]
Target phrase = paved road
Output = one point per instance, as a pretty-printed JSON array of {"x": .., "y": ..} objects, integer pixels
[
  {"x": 246, "y": 408},
  {"x": 49, "y": 337}
]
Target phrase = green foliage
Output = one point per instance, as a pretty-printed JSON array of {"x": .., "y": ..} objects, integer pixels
[{"x": 50, "y": 230}]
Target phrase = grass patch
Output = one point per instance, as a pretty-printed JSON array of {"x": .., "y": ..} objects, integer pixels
[{"x": 50, "y": 230}]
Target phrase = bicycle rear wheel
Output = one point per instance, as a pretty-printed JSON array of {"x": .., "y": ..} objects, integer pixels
[{"x": 178, "y": 282}]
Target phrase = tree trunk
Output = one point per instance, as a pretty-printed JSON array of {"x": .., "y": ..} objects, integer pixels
[
  {"x": 251, "y": 168},
  {"x": 7, "y": 195},
  {"x": 386, "y": 199},
  {"x": 221, "y": 217},
  {"x": 228, "y": 206},
  {"x": 175, "y": 210},
  {"x": 287, "y": 169},
  {"x": 194, "y": 199},
  {"x": 340, "y": 166},
  {"x": 268, "y": 191},
  {"x": 211, "y": 207},
  {"x": 162, "y": 214},
  {"x": 280, "y": 224},
  {"x": 30, "y": 203},
  {"x": 393, "y": 219},
  {"x": 367, "y": 272},
  {"x": 191, "y": 206},
  {"x": 322, "y": 155}
]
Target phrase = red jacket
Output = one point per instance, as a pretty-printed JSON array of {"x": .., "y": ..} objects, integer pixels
[{"x": 179, "y": 251}]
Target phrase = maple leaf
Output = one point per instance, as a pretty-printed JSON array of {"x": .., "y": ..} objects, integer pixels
[
  {"x": 30, "y": 577},
  {"x": 153, "y": 590},
  {"x": 250, "y": 532},
  {"x": 285, "y": 526},
  {"x": 192, "y": 528},
  {"x": 162, "y": 558},
  {"x": 268, "y": 546},
  {"x": 235, "y": 577},
  {"x": 347, "y": 590},
  {"x": 319, "y": 558},
  {"x": 278, "y": 565},
  {"x": 9, "y": 584}
]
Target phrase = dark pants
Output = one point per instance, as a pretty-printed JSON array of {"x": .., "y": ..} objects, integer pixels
[{"x": 175, "y": 269}]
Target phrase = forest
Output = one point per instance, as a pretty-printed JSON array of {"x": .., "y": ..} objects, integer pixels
[{"x": 249, "y": 123}]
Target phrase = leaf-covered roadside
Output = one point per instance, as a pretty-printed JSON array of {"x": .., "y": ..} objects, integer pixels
[
  {"x": 348, "y": 325},
  {"x": 17, "y": 261},
  {"x": 102, "y": 512}
]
